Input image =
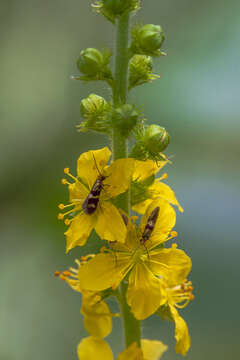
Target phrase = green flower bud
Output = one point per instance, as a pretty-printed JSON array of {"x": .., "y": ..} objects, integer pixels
[
  {"x": 156, "y": 139},
  {"x": 90, "y": 62},
  {"x": 147, "y": 39},
  {"x": 140, "y": 68},
  {"x": 125, "y": 118},
  {"x": 93, "y": 64},
  {"x": 151, "y": 141},
  {"x": 94, "y": 110},
  {"x": 112, "y": 9}
]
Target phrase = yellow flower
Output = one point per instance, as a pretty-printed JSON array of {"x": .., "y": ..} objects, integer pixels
[
  {"x": 157, "y": 189},
  {"x": 150, "y": 350},
  {"x": 144, "y": 259},
  {"x": 93, "y": 348},
  {"x": 90, "y": 194},
  {"x": 178, "y": 297},
  {"x": 97, "y": 315}
]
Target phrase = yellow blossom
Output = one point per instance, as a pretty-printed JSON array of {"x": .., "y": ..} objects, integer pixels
[
  {"x": 93, "y": 348},
  {"x": 177, "y": 298},
  {"x": 145, "y": 262},
  {"x": 158, "y": 189},
  {"x": 97, "y": 315},
  {"x": 90, "y": 194}
]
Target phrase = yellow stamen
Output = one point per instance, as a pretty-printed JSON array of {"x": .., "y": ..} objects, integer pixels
[
  {"x": 60, "y": 216},
  {"x": 163, "y": 177},
  {"x": 174, "y": 246},
  {"x": 65, "y": 182},
  {"x": 174, "y": 234}
]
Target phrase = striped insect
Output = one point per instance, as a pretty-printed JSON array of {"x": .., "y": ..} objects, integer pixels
[
  {"x": 151, "y": 221},
  {"x": 90, "y": 204}
]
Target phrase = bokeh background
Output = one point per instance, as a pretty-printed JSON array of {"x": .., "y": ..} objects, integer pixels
[{"x": 196, "y": 99}]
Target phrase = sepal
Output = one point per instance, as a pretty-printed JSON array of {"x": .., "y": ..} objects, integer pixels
[
  {"x": 140, "y": 71},
  {"x": 124, "y": 119},
  {"x": 95, "y": 110}
]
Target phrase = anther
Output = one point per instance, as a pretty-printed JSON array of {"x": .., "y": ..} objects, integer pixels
[
  {"x": 83, "y": 258},
  {"x": 66, "y": 273},
  {"x": 174, "y": 233},
  {"x": 60, "y": 216},
  {"x": 174, "y": 246},
  {"x": 66, "y": 171},
  {"x": 57, "y": 273},
  {"x": 102, "y": 249},
  {"x": 61, "y": 206},
  {"x": 64, "y": 182},
  {"x": 67, "y": 222},
  {"x": 164, "y": 176},
  {"x": 134, "y": 218}
]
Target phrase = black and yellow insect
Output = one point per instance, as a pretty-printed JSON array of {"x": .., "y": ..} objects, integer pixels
[
  {"x": 90, "y": 204},
  {"x": 151, "y": 221}
]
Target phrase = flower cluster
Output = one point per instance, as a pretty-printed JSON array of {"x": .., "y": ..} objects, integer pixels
[
  {"x": 137, "y": 253},
  {"x": 122, "y": 199}
]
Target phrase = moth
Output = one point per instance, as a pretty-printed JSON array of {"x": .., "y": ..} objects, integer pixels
[{"x": 151, "y": 221}]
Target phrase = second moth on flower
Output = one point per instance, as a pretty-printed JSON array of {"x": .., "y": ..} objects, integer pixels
[{"x": 90, "y": 198}]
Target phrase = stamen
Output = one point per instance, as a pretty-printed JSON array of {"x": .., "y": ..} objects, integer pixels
[
  {"x": 60, "y": 216},
  {"x": 57, "y": 273},
  {"x": 66, "y": 273},
  {"x": 163, "y": 177},
  {"x": 65, "y": 182},
  {"x": 134, "y": 218},
  {"x": 67, "y": 172},
  {"x": 174, "y": 246},
  {"x": 68, "y": 221},
  {"x": 174, "y": 234}
]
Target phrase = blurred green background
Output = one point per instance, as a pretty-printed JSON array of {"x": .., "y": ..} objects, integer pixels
[{"x": 197, "y": 100}]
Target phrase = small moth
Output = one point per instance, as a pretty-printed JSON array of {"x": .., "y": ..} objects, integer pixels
[
  {"x": 151, "y": 221},
  {"x": 91, "y": 202}
]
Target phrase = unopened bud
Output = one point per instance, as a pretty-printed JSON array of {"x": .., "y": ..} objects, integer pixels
[
  {"x": 147, "y": 39},
  {"x": 125, "y": 118},
  {"x": 94, "y": 64},
  {"x": 140, "y": 70},
  {"x": 156, "y": 139},
  {"x": 94, "y": 110},
  {"x": 90, "y": 62},
  {"x": 112, "y": 9}
]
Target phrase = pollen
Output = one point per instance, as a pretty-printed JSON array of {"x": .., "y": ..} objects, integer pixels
[{"x": 64, "y": 182}]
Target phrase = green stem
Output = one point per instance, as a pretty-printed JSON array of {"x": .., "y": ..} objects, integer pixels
[{"x": 120, "y": 150}]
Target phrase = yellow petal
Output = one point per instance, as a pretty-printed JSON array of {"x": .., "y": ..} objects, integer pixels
[
  {"x": 103, "y": 271},
  {"x": 144, "y": 294},
  {"x": 145, "y": 169},
  {"x": 153, "y": 349},
  {"x": 133, "y": 352},
  {"x": 119, "y": 175},
  {"x": 181, "y": 332},
  {"x": 77, "y": 193},
  {"x": 79, "y": 230},
  {"x": 92, "y": 348},
  {"x": 97, "y": 316},
  {"x": 110, "y": 225},
  {"x": 90, "y": 165},
  {"x": 164, "y": 224},
  {"x": 142, "y": 206},
  {"x": 171, "y": 264},
  {"x": 159, "y": 189}
]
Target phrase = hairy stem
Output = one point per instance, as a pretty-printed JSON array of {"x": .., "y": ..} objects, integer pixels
[{"x": 120, "y": 150}]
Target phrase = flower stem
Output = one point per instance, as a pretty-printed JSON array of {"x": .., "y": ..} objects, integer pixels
[{"x": 120, "y": 150}]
